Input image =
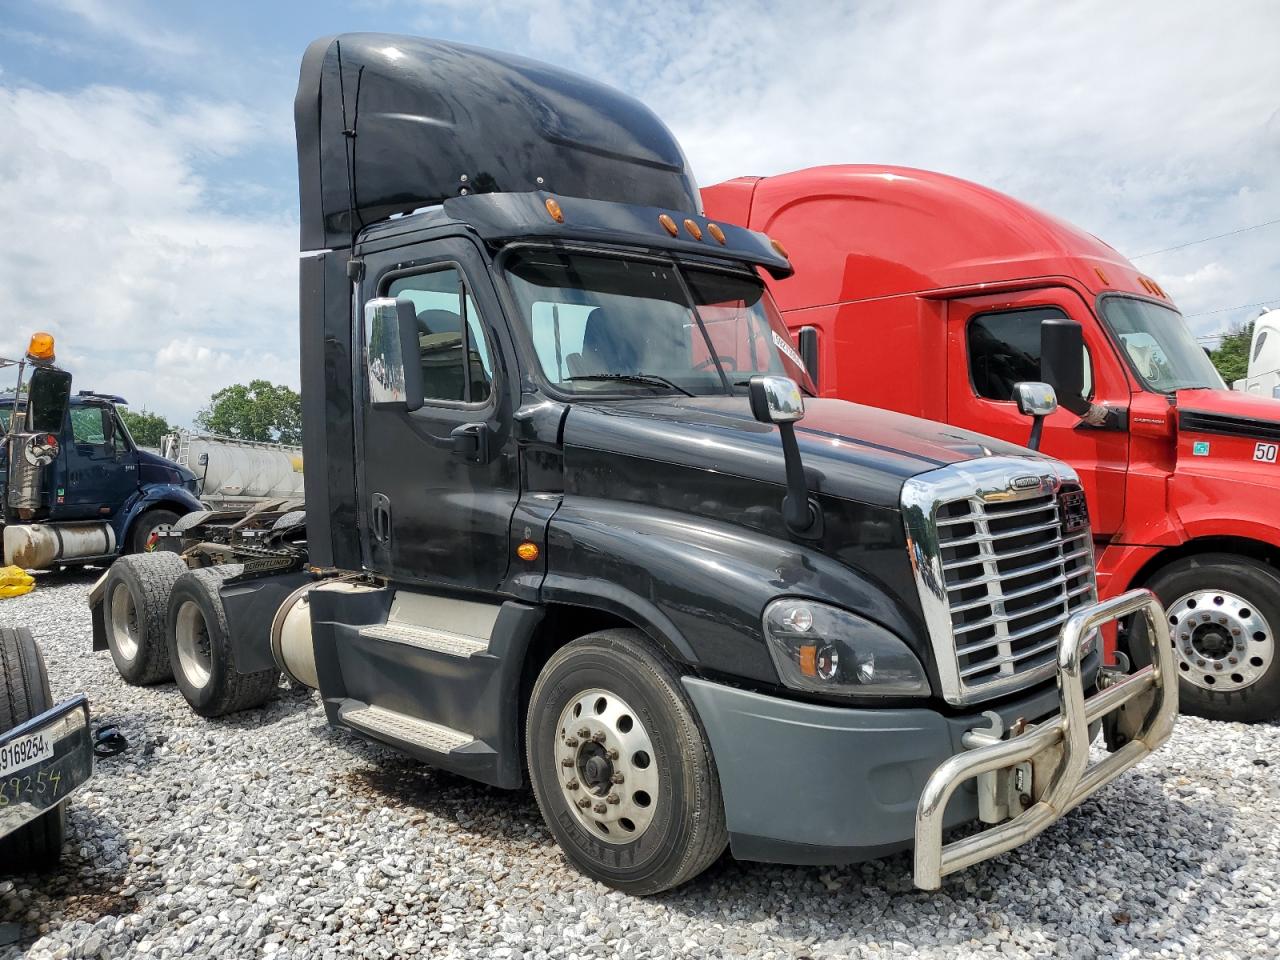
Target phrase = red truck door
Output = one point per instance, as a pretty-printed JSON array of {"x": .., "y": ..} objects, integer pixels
[{"x": 993, "y": 343}]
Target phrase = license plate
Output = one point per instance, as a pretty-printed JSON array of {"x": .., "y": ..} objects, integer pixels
[{"x": 23, "y": 752}]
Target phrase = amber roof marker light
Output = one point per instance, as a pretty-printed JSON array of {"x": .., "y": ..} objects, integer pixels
[
  {"x": 779, "y": 249},
  {"x": 695, "y": 231},
  {"x": 668, "y": 224},
  {"x": 716, "y": 233},
  {"x": 553, "y": 208},
  {"x": 41, "y": 347}
]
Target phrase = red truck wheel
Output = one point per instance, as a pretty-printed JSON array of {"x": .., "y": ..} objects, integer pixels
[
  {"x": 1223, "y": 612},
  {"x": 24, "y": 693}
]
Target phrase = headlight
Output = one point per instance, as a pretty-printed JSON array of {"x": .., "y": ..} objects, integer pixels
[{"x": 824, "y": 649}]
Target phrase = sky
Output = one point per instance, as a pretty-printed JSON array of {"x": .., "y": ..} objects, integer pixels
[{"x": 148, "y": 184}]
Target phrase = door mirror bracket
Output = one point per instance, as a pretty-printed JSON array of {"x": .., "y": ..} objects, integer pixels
[
  {"x": 777, "y": 400},
  {"x": 1037, "y": 401}
]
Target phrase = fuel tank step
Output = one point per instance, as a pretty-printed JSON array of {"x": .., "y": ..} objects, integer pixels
[
  {"x": 383, "y": 723},
  {"x": 426, "y": 638}
]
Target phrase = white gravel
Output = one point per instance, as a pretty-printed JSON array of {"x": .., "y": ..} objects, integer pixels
[{"x": 266, "y": 834}]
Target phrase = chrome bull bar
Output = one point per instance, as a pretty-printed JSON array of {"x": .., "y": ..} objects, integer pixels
[{"x": 1073, "y": 780}]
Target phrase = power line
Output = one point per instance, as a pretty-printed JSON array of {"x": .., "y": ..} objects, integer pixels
[
  {"x": 1243, "y": 306},
  {"x": 1217, "y": 236}
]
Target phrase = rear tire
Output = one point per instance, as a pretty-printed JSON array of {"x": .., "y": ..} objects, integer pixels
[
  {"x": 135, "y": 606},
  {"x": 200, "y": 647},
  {"x": 24, "y": 693},
  {"x": 664, "y": 823},
  {"x": 145, "y": 525},
  {"x": 1223, "y": 609}
]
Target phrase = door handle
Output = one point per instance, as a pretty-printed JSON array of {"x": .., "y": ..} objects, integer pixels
[
  {"x": 380, "y": 518},
  {"x": 471, "y": 440}
]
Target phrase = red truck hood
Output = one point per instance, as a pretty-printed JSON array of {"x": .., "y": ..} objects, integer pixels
[{"x": 1229, "y": 412}]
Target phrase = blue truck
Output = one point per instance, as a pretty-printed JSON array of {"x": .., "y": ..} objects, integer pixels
[{"x": 96, "y": 494}]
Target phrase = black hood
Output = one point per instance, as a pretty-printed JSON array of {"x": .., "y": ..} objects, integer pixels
[
  {"x": 850, "y": 451},
  {"x": 153, "y": 468}
]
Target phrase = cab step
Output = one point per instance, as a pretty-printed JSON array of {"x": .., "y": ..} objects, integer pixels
[
  {"x": 387, "y": 724},
  {"x": 426, "y": 638}
]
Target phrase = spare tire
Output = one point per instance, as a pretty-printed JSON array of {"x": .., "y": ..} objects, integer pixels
[
  {"x": 24, "y": 693},
  {"x": 135, "y": 601},
  {"x": 200, "y": 647}
]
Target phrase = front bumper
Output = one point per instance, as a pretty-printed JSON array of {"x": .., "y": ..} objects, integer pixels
[
  {"x": 806, "y": 783},
  {"x": 28, "y": 790}
]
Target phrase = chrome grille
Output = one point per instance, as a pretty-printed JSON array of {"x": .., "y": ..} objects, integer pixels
[{"x": 998, "y": 568}]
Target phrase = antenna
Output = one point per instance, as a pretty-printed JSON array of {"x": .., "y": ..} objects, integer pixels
[{"x": 349, "y": 133}]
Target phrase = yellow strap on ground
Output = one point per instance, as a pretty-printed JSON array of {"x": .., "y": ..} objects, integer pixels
[{"x": 14, "y": 582}]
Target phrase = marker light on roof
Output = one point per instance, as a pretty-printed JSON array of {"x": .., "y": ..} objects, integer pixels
[
  {"x": 779, "y": 249},
  {"x": 716, "y": 233},
  {"x": 553, "y": 208},
  {"x": 1102, "y": 276},
  {"x": 668, "y": 224},
  {"x": 695, "y": 231},
  {"x": 41, "y": 347}
]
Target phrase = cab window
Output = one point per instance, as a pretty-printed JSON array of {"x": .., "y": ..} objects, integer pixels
[
  {"x": 86, "y": 425},
  {"x": 450, "y": 371},
  {"x": 1004, "y": 349}
]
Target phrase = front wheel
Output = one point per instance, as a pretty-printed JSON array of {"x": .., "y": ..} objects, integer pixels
[
  {"x": 149, "y": 525},
  {"x": 1223, "y": 610},
  {"x": 620, "y": 766}
]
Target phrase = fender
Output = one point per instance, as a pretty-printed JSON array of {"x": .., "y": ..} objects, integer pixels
[
  {"x": 698, "y": 586},
  {"x": 152, "y": 495}
]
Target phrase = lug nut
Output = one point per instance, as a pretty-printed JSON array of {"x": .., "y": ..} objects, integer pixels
[
  {"x": 617, "y": 778},
  {"x": 572, "y": 784},
  {"x": 613, "y": 799},
  {"x": 599, "y": 808},
  {"x": 598, "y": 736},
  {"x": 584, "y": 802},
  {"x": 570, "y": 741},
  {"x": 1233, "y": 660},
  {"x": 1217, "y": 666},
  {"x": 584, "y": 733},
  {"x": 613, "y": 754},
  {"x": 567, "y": 762}
]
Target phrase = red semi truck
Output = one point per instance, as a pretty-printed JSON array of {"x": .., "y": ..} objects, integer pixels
[{"x": 928, "y": 294}]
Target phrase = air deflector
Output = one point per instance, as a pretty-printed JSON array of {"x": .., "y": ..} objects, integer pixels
[{"x": 405, "y": 122}]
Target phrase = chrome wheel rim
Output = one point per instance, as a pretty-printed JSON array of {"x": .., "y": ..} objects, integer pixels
[
  {"x": 606, "y": 766},
  {"x": 125, "y": 634},
  {"x": 191, "y": 634},
  {"x": 1220, "y": 640}
]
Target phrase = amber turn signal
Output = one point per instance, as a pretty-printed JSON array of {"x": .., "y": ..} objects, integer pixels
[
  {"x": 779, "y": 249},
  {"x": 716, "y": 233},
  {"x": 553, "y": 208},
  {"x": 41, "y": 346},
  {"x": 695, "y": 231},
  {"x": 668, "y": 225},
  {"x": 527, "y": 551}
]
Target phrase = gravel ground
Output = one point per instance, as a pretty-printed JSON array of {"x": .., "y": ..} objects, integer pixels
[{"x": 266, "y": 834}]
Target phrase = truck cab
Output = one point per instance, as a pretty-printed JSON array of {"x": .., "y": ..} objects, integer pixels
[
  {"x": 928, "y": 294},
  {"x": 576, "y": 518},
  {"x": 98, "y": 494}
]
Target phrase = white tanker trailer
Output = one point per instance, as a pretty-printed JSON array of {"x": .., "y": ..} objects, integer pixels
[{"x": 237, "y": 473}]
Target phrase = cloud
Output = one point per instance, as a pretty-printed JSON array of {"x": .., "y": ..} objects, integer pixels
[{"x": 153, "y": 290}]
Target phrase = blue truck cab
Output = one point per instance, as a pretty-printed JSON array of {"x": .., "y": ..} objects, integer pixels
[{"x": 99, "y": 495}]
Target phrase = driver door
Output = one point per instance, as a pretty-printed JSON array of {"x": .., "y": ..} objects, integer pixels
[
  {"x": 993, "y": 343},
  {"x": 99, "y": 470}
]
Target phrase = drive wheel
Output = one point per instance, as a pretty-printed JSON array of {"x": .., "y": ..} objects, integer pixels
[
  {"x": 200, "y": 647},
  {"x": 135, "y": 604},
  {"x": 620, "y": 766},
  {"x": 1223, "y": 612},
  {"x": 24, "y": 693}
]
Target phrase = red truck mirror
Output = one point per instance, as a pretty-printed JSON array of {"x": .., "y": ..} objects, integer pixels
[{"x": 1062, "y": 362}]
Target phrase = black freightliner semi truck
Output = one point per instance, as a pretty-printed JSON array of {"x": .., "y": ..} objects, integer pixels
[{"x": 566, "y": 526}]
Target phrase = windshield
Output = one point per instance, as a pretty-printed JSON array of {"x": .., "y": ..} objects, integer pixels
[
  {"x": 608, "y": 325},
  {"x": 1160, "y": 348}
]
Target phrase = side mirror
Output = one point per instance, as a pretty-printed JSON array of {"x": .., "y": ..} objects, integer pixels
[
  {"x": 1062, "y": 361},
  {"x": 392, "y": 356},
  {"x": 48, "y": 395},
  {"x": 1037, "y": 401},
  {"x": 108, "y": 427},
  {"x": 776, "y": 400},
  {"x": 807, "y": 341},
  {"x": 203, "y": 460}
]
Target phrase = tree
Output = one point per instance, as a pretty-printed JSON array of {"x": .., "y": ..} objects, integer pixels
[
  {"x": 146, "y": 427},
  {"x": 262, "y": 411},
  {"x": 1232, "y": 356}
]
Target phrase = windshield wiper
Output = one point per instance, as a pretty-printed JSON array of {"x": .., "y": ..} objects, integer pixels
[{"x": 652, "y": 379}]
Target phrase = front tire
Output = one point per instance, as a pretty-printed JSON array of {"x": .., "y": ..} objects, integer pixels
[
  {"x": 24, "y": 693},
  {"x": 621, "y": 768},
  {"x": 200, "y": 647},
  {"x": 135, "y": 606},
  {"x": 1223, "y": 612},
  {"x": 152, "y": 521}
]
